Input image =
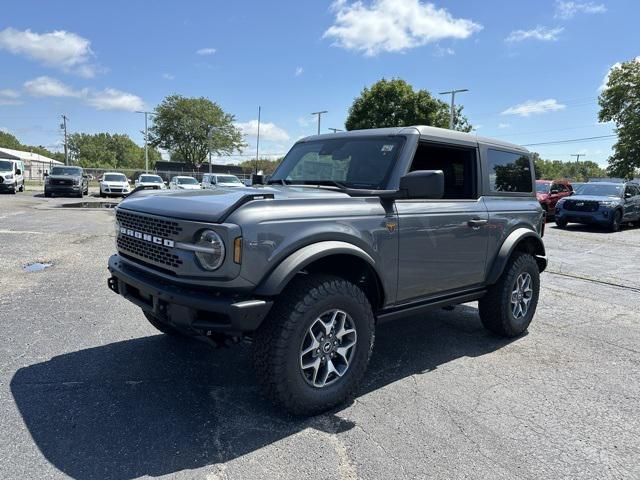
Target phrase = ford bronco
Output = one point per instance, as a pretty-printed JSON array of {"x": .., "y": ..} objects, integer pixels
[{"x": 354, "y": 229}]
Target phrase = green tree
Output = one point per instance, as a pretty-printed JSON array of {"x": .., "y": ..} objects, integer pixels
[
  {"x": 105, "y": 150},
  {"x": 394, "y": 103},
  {"x": 620, "y": 103},
  {"x": 577, "y": 171},
  {"x": 266, "y": 165},
  {"x": 10, "y": 141},
  {"x": 187, "y": 127}
]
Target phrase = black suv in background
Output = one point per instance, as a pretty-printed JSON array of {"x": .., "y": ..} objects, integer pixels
[{"x": 66, "y": 181}]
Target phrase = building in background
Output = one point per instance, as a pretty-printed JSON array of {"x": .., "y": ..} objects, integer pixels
[{"x": 35, "y": 165}]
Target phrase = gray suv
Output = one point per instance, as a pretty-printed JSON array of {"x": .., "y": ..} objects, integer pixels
[{"x": 354, "y": 229}]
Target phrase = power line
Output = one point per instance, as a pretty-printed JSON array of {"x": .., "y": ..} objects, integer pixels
[{"x": 572, "y": 140}]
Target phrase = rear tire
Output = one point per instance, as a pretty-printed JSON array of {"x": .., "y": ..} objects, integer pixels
[
  {"x": 509, "y": 305},
  {"x": 161, "y": 326},
  {"x": 314, "y": 311}
]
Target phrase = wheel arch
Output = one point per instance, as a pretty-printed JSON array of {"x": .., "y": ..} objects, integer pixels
[
  {"x": 520, "y": 240},
  {"x": 338, "y": 258}
]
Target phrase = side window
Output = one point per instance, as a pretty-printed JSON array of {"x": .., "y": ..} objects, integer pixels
[
  {"x": 509, "y": 172},
  {"x": 561, "y": 188},
  {"x": 458, "y": 165}
]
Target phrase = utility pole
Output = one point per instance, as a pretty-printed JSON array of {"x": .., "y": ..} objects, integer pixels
[
  {"x": 578, "y": 155},
  {"x": 66, "y": 147},
  {"x": 319, "y": 114},
  {"x": 452, "y": 119},
  {"x": 146, "y": 140},
  {"x": 258, "y": 141},
  {"x": 334, "y": 130}
]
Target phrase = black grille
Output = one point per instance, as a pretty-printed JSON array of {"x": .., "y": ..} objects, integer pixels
[
  {"x": 149, "y": 251},
  {"x": 61, "y": 182},
  {"x": 580, "y": 206},
  {"x": 150, "y": 225}
]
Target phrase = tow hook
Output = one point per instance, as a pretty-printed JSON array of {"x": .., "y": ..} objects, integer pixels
[{"x": 112, "y": 283}]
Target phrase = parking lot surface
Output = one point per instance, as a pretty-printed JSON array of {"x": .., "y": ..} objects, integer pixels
[{"x": 89, "y": 390}]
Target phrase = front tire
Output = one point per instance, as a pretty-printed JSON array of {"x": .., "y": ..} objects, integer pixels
[
  {"x": 561, "y": 223},
  {"x": 616, "y": 221},
  {"x": 312, "y": 350},
  {"x": 509, "y": 305}
]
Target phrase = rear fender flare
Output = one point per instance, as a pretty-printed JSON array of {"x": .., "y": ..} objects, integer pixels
[{"x": 510, "y": 245}]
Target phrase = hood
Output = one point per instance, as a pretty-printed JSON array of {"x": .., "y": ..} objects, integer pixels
[
  {"x": 231, "y": 185},
  {"x": 214, "y": 205},
  {"x": 114, "y": 183},
  {"x": 593, "y": 198},
  {"x": 195, "y": 186}
]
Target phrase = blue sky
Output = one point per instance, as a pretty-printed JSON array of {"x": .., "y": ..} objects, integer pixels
[{"x": 533, "y": 68}]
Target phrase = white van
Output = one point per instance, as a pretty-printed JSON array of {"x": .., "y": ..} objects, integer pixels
[{"x": 11, "y": 175}]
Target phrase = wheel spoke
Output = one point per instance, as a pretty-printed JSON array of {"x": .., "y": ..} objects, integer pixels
[{"x": 314, "y": 346}]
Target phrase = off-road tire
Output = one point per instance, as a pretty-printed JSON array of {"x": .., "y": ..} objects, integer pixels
[
  {"x": 277, "y": 343},
  {"x": 616, "y": 221},
  {"x": 561, "y": 223},
  {"x": 47, "y": 194},
  {"x": 161, "y": 326},
  {"x": 495, "y": 307}
]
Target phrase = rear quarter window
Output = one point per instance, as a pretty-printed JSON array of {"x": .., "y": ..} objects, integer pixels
[{"x": 509, "y": 172}]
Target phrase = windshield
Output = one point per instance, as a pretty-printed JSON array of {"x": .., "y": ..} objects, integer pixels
[
  {"x": 186, "y": 181},
  {"x": 115, "y": 177},
  {"x": 543, "y": 187},
  {"x": 354, "y": 162},
  {"x": 601, "y": 189},
  {"x": 150, "y": 179},
  {"x": 5, "y": 165},
  {"x": 228, "y": 179},
  {"x": 66, "y": 171}
]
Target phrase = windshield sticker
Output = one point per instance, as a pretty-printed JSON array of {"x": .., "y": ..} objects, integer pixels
[{"x": 387, "y": 148}]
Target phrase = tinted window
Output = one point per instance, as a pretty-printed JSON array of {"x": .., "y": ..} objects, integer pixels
[
  {"x": 66, "y": 171},
  {"x": 114, "y": 177},
  {"x": 509, "y": 172},
  {"x": 601, "y": 189}
]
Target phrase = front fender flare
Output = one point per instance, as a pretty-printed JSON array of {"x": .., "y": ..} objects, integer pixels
[
  {"x": 274, "y": 282},
  {"x": 509, "y": 246}
]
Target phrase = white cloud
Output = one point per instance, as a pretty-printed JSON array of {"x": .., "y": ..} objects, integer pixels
[
  {"x": 533, "y": 107},
  {"x": 539, "y": 33},
  {"x": 504, "y": 125},
  {"x": 605, "y": 80},
  {"x": 50, "y": 87},
  {"x": 9, "y": 93},
  {"x": 299, "y": 71},
  {"x": 112, "y": 99},
  {"x": 394, "y": 25},
  {"x": 168, "y": 76},
  {"x": 9, "y": 102},
  {"x": 206, "y": 51},
  {"x": 107, "y": 99},
  {"x": 59, "y": 49},
  {"x": 268, "y": 131},
  {"x": 567, "y": 10}
]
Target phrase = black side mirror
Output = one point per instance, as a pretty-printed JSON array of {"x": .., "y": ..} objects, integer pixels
[
  {"x": 554, "y": 191},
  {"x": 18, "y": 171},
  {"x": 427, "y": 184},
  {"x": 45, "y": 174}
]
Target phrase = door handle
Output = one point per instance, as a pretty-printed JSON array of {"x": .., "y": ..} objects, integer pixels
[{"x": 476, "y": 223}]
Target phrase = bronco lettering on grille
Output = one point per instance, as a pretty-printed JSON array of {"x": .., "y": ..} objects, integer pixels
[{"x": 146, "y": 237}]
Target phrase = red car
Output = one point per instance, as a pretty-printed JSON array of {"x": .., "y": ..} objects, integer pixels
[{"x": 549, "y": 192}]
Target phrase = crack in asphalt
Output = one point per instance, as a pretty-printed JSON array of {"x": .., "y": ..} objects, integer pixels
[{"x": 593, "y": 280}]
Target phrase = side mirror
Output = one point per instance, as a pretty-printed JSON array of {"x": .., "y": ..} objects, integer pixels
[
  {"x": 18, "y": 171},
  {"x": 554, "y": 192},
  {"x": 427, "y": 184},
  {"x": 45, "y": 174},
  {"x": 628, "y": 195}
]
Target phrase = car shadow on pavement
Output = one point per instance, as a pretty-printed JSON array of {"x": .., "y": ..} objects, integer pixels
[{"x": 156, "y": 405}]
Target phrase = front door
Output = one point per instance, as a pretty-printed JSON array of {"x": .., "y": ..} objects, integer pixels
[{"x": 443, "y": 243}]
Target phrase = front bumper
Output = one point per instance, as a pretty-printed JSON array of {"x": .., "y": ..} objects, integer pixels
[
  {"x": 601, "y": 216},
  {"x": 8, "y": 187},
  {"x": 194, "y": 311},
  {"x": 62, "y": 189}
]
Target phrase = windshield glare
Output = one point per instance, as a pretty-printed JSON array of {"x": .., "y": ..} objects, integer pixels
[
  {"x": 542, "y": 187},
  {"x": 354, "y": 162},
  {"x": 115, "y": 177},
  {"x": 601, "y": 190},
  {"x": 150, "y": 179},
  {"x": 228, "y": 179},
  {"x": 5, "y": 165},
  {"x": 187, "y": 181},
  {"x": 66, "y": 171}
]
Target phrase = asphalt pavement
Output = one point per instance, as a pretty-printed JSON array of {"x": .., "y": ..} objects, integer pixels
[{"x": 89, "y": 390}]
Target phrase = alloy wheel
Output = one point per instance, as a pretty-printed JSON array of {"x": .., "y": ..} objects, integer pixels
[{"x": 521, "y": 295}]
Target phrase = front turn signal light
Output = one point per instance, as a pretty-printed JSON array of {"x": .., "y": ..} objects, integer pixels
[{"x": 237, "y": 250}]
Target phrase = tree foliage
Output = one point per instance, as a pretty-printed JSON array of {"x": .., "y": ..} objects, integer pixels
[
  {"x": 10, "y": 141},
  {"x": 620, "y": 103},
  {"x": 105, "y": 150},
  {"x": 187, "y": 127},
  {"x": 577, "y": 171},
  {"x": 394, "y": 103},
  {"x": 266, "y": 165}
]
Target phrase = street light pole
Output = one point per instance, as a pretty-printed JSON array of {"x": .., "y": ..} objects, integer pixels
[
  {"x": 319, "y": 114},
  {"x": 452, "y": 118},
  {"x": 146, "y": 140},
  {"x": 334, "y": 130},
  {"x": 66, "y": 147},
  {"x": 258, "y": 142}
]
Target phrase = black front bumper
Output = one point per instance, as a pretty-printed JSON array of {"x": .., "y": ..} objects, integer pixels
[
  {"x": 63, "y": 189},
  {"x": 8, "y": 187},
  {"x": 194, "y": 311}
]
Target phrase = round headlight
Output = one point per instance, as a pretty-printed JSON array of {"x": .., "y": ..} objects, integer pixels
[{"x": 210, "y": 251}]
